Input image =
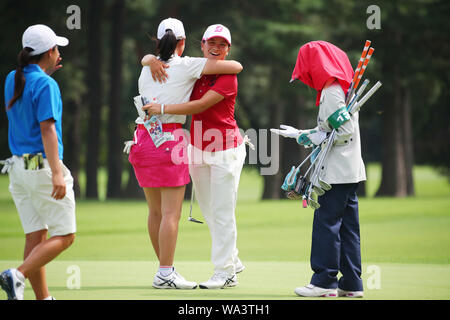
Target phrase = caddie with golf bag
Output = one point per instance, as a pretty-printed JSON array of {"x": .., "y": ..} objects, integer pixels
[{"x": 336, "y": 167}]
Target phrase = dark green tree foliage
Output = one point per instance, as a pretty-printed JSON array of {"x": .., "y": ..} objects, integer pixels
[
  {"x": 411, "y": 47},
  {"x": 14, "y": 20},
  {"x": 428, "y": 31},
  {"x": 404, "y": 123}
]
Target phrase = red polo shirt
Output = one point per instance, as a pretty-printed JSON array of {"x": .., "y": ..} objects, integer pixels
[{"x": 215, "y": 129}]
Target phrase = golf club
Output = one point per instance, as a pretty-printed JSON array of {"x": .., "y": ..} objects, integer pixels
[
  {"x": 358, "y": 68},
  {"x": 190, "y": 218}
]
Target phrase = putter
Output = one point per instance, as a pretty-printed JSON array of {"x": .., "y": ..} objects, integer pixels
[{"x": 190, "y": 218}]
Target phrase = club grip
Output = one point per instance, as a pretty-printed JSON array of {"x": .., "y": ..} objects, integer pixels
[{"x": 305, "y": 203}]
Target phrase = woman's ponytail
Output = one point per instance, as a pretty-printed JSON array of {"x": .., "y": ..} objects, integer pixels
[
  {"x": 23, "y": 60},
  {"x": 166, "y": 45}
]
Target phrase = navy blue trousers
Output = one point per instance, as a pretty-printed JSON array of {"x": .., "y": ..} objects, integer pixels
[{"x": 336, "y": 240}]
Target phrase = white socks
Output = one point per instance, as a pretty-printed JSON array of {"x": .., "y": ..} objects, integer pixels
[{"x": 165, "y": 270}]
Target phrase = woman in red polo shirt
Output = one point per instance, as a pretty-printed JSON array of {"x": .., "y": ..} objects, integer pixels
[
  {"x": 216, "y": 156},
  {"x": 162, "y": 178}
]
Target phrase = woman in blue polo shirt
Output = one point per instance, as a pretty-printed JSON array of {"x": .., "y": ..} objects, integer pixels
[{"x": 40, "y": 184}]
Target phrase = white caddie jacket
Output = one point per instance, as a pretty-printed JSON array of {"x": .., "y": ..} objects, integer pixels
[{"x": 344, "y": 163}]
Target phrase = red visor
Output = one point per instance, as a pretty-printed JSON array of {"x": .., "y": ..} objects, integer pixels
[{"x": 318, "y": 61}]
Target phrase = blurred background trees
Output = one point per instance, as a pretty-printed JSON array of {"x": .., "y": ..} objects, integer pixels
[{"x": 405, "y": 122}]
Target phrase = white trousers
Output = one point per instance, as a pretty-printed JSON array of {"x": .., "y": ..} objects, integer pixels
[{"x": 215, "y": 177}]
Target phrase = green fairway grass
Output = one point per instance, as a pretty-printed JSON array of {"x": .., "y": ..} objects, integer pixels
[
  {"x": 125, "y": 280},
  {"x": 406, "y": 240}
]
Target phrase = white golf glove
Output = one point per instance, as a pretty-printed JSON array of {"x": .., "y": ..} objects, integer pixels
[
  {"x": 248, "y": 142},
  {"x": 128, "y": 145},
  {"x": 308, "y": 138},
  {"x": 287, "y": 132},
  {"x": 7, "y": 165}
]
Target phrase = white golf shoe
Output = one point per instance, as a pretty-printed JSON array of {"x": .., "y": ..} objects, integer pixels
[
  {"x": 13, "y": 282},
  {"x": 313, "y": 291},
  {"x": 219, "y": 281},
  {"x": 239, "y": 267},
  {"x": 172, "y": 281},
  {"x": 350, "y": 294}
]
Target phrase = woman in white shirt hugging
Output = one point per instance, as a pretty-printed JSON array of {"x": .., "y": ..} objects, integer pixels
[{"x": 155, "y": 155}]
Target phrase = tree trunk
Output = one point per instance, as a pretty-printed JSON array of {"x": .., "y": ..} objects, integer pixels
[
  {"x": 114, "y": 133},
  {"x": 361, "y": 191},
  {"x": 273, "y": 182},
  {"x": 73, "y": 139},
  {"x": 95, "y": 92},
  {"x": 132, "y": 190},
  {"x": 408, "y": 141},
  {"x": 393, "y": 179},
  {"x": 397, "y": 155}
]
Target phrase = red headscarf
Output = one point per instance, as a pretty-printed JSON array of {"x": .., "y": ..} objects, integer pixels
[{"x": 319, "y": 61}]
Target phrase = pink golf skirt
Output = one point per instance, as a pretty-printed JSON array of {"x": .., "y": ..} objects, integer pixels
[{"x": 165, "y": 166}]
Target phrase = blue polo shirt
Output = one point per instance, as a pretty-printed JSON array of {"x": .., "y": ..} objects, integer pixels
[{"x": 40, "y": 101}]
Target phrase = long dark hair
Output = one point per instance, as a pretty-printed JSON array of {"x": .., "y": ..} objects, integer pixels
[
  {"x": 165, "y": 47},
  {"x": 23, "y": 58}
]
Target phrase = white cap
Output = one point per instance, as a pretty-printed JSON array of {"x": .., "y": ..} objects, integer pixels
[
  {"x": 41, "y": 38},
  {"x": 173, "y": 24},
  {"x": 217, "y": 30}
]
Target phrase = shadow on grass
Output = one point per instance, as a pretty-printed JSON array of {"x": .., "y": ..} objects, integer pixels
[{"x": 177, "y": 294}]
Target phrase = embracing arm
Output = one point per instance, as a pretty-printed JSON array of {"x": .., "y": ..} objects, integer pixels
[
  {"x": 209, "y": 99},
  {"x": 157, "y": 67},
  {"x": 147, "y": 59},
  {"x": 222, "y": 67}
]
